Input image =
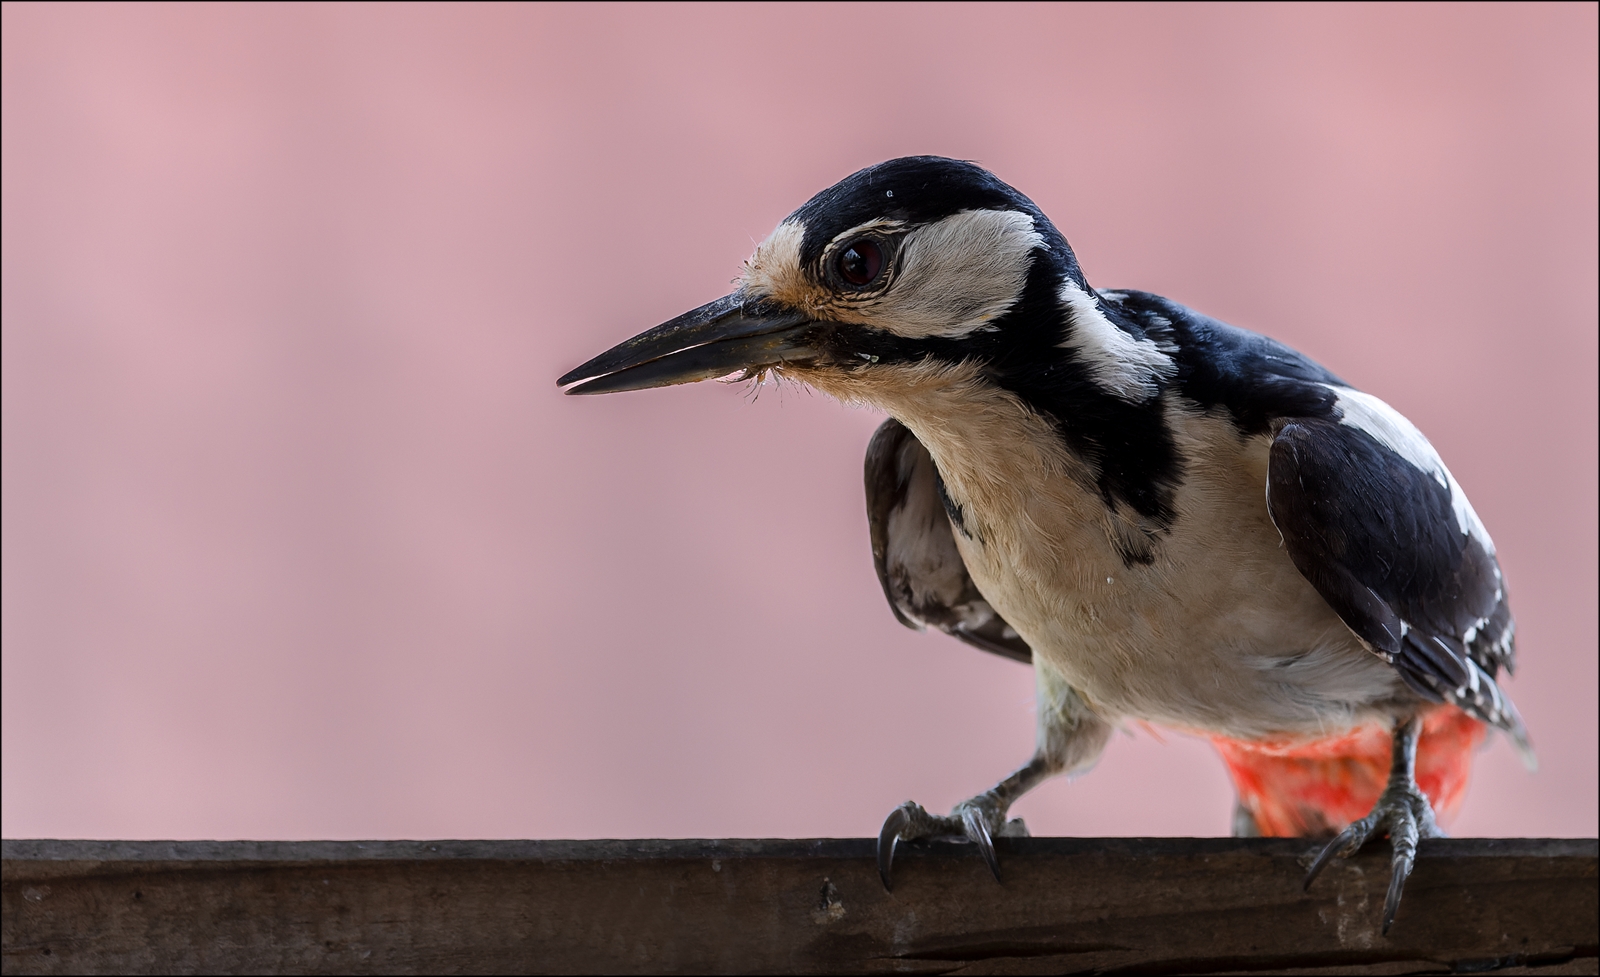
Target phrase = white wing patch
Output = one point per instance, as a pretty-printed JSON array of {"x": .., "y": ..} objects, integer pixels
[
  {"x": 1391, "y": 429},
  {"x": 1125, "y": 366}
]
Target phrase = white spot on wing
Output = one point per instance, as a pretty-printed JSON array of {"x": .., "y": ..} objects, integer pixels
[
  {"x": 1390, "y": 428},
  {"x": 1127, "y": 367}
]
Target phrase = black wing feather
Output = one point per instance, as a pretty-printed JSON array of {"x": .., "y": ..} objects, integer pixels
[
  {"x": 914, "y": 548},
  {"x": 1379, "y": 540}
]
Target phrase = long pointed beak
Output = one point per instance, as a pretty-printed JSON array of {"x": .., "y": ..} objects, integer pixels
[{"x": 722, "y": 337}]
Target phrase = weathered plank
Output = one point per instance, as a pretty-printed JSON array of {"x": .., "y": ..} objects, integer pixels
[{"x": 1068, "y": 905}]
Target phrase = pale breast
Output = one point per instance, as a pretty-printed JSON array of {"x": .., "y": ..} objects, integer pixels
[{"x": 1218, "y": 633}]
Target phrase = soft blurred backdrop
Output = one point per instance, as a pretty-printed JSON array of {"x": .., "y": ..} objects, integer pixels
[{"x": 300, "y": 539}]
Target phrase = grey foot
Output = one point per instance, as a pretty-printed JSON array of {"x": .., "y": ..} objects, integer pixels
[
  {"x": 1404, "y": 813},
  {"x": 978, "y": 819},
  {"x": 1244, "y": 823}
]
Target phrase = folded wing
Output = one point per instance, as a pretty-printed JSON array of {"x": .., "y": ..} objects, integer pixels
[
  {"x": 914, "y": 548},
  {"x": 1371, "y": 516}
]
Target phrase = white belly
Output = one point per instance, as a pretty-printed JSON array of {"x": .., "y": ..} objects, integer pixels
[{"x": 1220, "y": 634}]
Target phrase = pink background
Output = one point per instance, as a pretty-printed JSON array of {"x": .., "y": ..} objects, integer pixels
[{"x": 300, "y": 539}]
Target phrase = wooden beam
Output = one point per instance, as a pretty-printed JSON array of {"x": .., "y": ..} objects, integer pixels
[{"x": 1068, "y": 905}]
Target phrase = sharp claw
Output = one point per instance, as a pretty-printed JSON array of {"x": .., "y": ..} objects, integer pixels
[
  {"x": 888, "y": 837},
  {"x": 970, "y": 818},
  {"x": 1345, "y": 842},
  {"x": 978, "y": 831},
  {"x": 1403, "y": 836},
  {"x": 1405, "y": 828},
  {"x": 1403, "y": 810},
  {"x": 1323, "y": 858},
  {"x": 1397, "y": 882}
]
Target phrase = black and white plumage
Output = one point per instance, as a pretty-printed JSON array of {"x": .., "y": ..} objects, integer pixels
[
  {"x": 1347, "y": 476},
  {"x": 1174, "y": 519}
]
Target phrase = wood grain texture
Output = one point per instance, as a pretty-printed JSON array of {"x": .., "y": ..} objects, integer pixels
[{"x": 1068, "y": 905}]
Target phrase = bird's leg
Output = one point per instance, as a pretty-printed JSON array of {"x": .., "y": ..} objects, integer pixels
[
  {"x": 1402, "y": 810},
  {"x": 978, "y": 819},
  {"x": 1244, "y": 822},
  {"x": 1070, "y": 738}
]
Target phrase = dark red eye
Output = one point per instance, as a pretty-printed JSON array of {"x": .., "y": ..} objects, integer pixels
[{"x": 860, "y": 262}]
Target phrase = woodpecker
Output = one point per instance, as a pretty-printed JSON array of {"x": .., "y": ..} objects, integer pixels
[{"x": 1174, "y": 520}]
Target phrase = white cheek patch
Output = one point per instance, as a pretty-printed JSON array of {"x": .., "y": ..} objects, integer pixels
[
  {"x": 956, "y": 276},
  {"x": 1391, "y": 429},
  {"x": 1125, "y": 366}
]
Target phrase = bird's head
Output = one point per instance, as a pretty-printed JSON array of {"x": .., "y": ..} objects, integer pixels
[{"x": 915, "y": 260}]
